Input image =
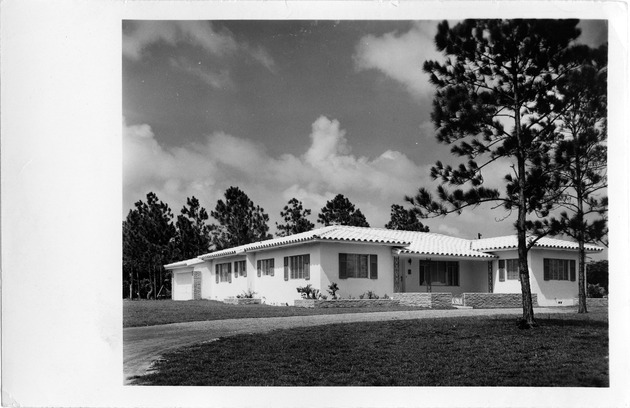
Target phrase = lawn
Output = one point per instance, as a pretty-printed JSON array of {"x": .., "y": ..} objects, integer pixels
[
  {"x": 565, "y": 350},
  {"x": 153, "y": 312}
]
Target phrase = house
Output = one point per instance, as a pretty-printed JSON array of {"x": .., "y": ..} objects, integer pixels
[{"x": 383, "y": 261}]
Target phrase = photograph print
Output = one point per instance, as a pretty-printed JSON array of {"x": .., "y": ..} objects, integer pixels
[{"x": 365, "y": 202}]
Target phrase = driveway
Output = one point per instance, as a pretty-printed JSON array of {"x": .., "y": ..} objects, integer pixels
[{"x": 143, "y": 345}]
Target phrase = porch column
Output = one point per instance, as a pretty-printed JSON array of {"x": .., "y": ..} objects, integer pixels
[
  {"x": 397, "y": 276},
  {"x": 490, "y": 273}
]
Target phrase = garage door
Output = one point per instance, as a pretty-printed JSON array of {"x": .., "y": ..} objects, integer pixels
[{"x": 182, "y": 289}]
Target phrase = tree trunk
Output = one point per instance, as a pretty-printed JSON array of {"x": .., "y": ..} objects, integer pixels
[
  {"x": 521, "y": 228},
  {"x": 581, "y": 226}
]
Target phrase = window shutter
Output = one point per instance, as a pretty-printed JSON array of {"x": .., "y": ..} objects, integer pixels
[
  {"x": 286, "y": 268},
  {"x": 343, "y": 271},
  {"x": 501, "y": 270},
  {"x": 244, "y": 268},
  {"x": 373, "y": 267},
  {"x": 422, "y": 272},
  {"x": 272, "y": 268},
  {"x": 216, "y": 270},
  {"x": 572, "y": 269},
  {"x": 236, "y": 268},
  {"x": 546, "y": 269},
  {"x": 258, "y": 267},
  {"x": 307, "y": 266},
  {"x": 229, "y": 272}
]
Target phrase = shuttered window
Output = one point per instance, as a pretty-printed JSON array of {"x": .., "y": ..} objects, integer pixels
[
  {"x": 224, "y": 272},
  {"x": 559, "y": 269},
  {"x": 240, "y": 269},
  {"x": 265, "y": 267},
  {"x": 297, "y": 267},
  {"x": 512, "y": 269},
  {"x": 358, "y": 266},
  {"x": 501, "y": 270}
]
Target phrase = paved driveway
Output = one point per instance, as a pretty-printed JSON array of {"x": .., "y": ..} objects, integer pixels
[{"x": 143, "y": 345}]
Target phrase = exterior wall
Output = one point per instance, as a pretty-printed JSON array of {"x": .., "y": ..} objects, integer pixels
[
  {"x": 355, "y": 287},
  {"x": 550, "y": 293},
  {"x": 270, "y": 289},
  {"x": 473, "y": 276}
]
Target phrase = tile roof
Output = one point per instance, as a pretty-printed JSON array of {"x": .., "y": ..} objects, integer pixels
[
  {"x": 510, "y": 242},
  {"x": 403, "y": 242}
]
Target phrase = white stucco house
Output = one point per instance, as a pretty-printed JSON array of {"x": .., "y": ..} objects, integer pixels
[{"x": 380, "y": 260}]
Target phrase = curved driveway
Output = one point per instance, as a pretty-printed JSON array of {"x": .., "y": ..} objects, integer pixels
[{"x": 143, "y": 345}]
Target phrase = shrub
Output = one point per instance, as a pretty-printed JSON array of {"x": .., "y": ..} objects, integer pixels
[
  {"x": 333, "y": 289},
  {"x": 249, "y": 294},
  {"x": 595, "y": 291},
  {"x": 368, "y": 295},
  {"x": 308, "y": 292}
]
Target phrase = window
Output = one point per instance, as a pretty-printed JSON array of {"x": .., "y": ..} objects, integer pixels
[
  {"x": 240, "y": 269},
  {"x": 265, "y": 267},
  {"x": 439, "y": 273},
  {"x": 224, "y": 272},
  {"x": 297, "y": 267},
  {"x": 512, "y": 269},
  {"x": 358, "y": 266},
  {"x": 559, "y": 269}
]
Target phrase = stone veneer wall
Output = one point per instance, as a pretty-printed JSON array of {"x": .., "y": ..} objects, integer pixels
[
  {"x": 242, "y": 301},
  {"x": 496, "y": 300},
  {"x": 429, "y": 299},
  {"x": 312, "y": 303},
  {"x": 196, "y": 285}
]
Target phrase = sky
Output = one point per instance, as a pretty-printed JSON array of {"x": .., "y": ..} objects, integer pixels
[{"x": 283, "y": 109}]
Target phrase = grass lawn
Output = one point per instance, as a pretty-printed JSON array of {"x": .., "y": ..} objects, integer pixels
[
  {"x": 152, "y": 312},
  {"x": 565, "y": 350}
]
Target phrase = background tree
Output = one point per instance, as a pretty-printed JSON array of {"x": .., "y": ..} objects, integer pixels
[
  {"x": 495, "y": 100},
  {"x": 405, "y": 219},
  {"x": 148, "y": 244},
  {"x": 193, "y": 233},
  {"x": 295, "y": 221},
  {"x": 340, "y": 211},
  {"x": 581, "y": 157},
  {"x": 597, "y": 274},
  {"x": 240, "y": 221}
]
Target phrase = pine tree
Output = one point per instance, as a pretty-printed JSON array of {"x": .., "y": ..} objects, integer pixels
[
  {"x": 240, "y": 221},
  {"x": 295, "y": 221},
  {"x": 495, "y": 100},
  {"x": 581, "y": 157},
  {"x": 405, "y": 219},
  {"x": 193, "y": 233},
  {"x": 340, "y": 211},
  {"x": 148, "y": 243}
]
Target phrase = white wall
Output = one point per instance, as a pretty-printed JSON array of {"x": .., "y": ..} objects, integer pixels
[
  {"x": 473, "y": 276},
  {"x": 357, "y": 286},
  {"x": 550, "y": 293}
]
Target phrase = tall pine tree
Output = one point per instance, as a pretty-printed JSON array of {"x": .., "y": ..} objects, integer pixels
[
  {"x": 495, "y": 100},
  {"x": 240, "y": 221},
  {"x": 193, "y": 233},
  {"x": 340, "y": 211},
  {"x": 405, "y": 220},
  {"x": 295, "y": 221},
  {"x": 581, "y": 156}
]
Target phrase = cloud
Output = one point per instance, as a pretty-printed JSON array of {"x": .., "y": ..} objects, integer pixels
[
  {"x": 214, "y": 79},
  {"x": 138, "y": 36},
  {"x": 400, "y": 56},
  {"x": 327, "y": 167}
]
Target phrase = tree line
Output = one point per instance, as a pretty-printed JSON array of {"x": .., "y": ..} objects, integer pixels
[{"x": 153, "y": 237}]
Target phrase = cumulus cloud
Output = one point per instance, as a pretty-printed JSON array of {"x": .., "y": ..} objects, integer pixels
[
  {"x": 327, "y": 167},
  {"x": 400, "y": 56}
]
